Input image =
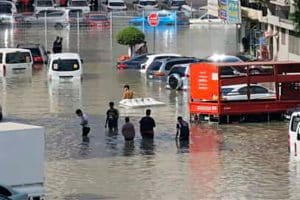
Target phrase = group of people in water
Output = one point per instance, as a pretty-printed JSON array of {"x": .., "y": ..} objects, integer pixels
[{"x": 147, "y": 123}]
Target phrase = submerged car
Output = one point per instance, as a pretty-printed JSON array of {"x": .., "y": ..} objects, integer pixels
[
  {"x": 239, "y": 92},
  {"x": 38, "y": 52},
  {"x": 145, "y": 5},
  {"x": 206, "y": 19},
  {"x": 165, "y": 18},
  {"x": 133, "y": 63},
  {"x": 64, "y": 66},
  {"x": 8, "y": 193},
  {"x": 97, "y": 20}
]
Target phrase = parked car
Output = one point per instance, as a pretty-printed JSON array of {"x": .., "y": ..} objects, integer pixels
[
  {"x": 40, "y": 5},
  {"x": 114, "y": 5},
  {"x": 38, "y": 52},
  {"x": 153, "y": 57},
  {"x": 228, "y": 58},
  {"x": 206, "y": 19},
  {"x": 165, "y": 18},
  {"x": 159, "y": 69},
  {"x": 178, "y": 77},
  {"x": 97, "y": 20},
  {"x": 133, "y": 63},
  {"x": 145, "y": 5},
  {"x": 175, "y": 4},
  {"x": 8, "y": 5},
  {"x": 8, "y": 193},
  {"x": 64, "y": 66},
  {"x": 14, "y": 61},
  {"x": 54, "y": 18},
  {"x": 239, "y": 92},
  {"x": 79, "y": 4},
  {"x": 6, "y": 15},
  {"x": 76, "y": 16}
]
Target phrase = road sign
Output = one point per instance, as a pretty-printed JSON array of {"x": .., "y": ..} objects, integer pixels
[{"x": 153, "y": 19}]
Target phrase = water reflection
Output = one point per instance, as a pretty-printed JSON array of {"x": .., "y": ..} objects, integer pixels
[
  {"x": 129, "y": 148},
  {"x": 64, "y": 95},
  {"x": 147, "y": 147}
]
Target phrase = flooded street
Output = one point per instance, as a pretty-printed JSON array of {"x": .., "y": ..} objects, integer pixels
[{"x": 238, "y": 161}]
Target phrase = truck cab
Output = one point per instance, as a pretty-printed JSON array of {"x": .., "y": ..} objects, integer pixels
[{"x": 294, "y": 135}]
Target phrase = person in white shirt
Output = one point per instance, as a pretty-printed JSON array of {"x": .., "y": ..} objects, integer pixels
[{"x": 84, "y": 123}]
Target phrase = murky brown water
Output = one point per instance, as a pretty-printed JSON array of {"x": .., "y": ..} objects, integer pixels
[{"x": 248, "y": 161}]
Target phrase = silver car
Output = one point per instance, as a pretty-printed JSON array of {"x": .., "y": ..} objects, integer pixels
[{"x": 58, "y": 18}]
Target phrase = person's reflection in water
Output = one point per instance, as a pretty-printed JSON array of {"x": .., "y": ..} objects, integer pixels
[
  {"x": 84, "y": 148},
  {"x": 128, "y": 148},
  {"x": 182, "y": 146},
  {"x": 111, "y": 138},
  {"x": 147, "y": 146}
]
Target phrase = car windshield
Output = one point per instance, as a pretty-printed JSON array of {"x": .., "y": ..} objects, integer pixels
[
  {"x": 155, "y": 66},
  {"x": 79, "y": 3},
  {"x": 225, "y": 91},
  {"x": 178, "y": 3},
  {"x": 5, "y": 9},
  {"x": 65, "y": 65},
  {"x": 116, "y": 4},
  {"x": 147, "y": 3},
  {"x": 209, "y": 17},
  {"x": 178, "y": 70},
  {"x": 18, "y": 57},
  {"x": 44, "y": 3},
  {"x": 98, "y": 17},
  {"x": 34, "y": 51},
  {"x": 75, "y": 13}
]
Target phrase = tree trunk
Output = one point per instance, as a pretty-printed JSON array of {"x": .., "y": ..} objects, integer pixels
[{"x": 131, "y": 51}]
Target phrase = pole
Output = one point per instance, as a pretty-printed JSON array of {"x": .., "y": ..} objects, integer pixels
[
  {"x": 78, "y": 39},
  {"x": 45, "y": 25},
  {"x": 154, "y": 39}
]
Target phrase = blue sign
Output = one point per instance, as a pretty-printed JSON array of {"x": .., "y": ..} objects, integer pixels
[{"x": 233, "y": 11}]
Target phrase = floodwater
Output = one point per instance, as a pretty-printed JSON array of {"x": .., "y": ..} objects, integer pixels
[{"x": 238, "y": 161}]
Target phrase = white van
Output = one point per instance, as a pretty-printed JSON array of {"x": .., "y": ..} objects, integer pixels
[
  {"x": 14, "y": 61},
  {"x": 294, "y": 135},
  {"x": 64, "y": 66}
]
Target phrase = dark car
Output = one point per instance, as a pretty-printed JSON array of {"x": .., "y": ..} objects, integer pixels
[
  {"x": 160, "y": 69},
  {"x": 133, "y": 63},
  {"x": 38, "y": 52}
]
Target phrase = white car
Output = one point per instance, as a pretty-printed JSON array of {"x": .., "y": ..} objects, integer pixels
[
  {"x": 15, "y": 61},
  {"x": 176, "y": 4},
  {"x": 79, "y": 4},
  {"x": 178, "y": 78},
  {"x": 146, "y": 5},
  {"x": 114, "y": 5},
  {"x": 207, "y": 19},
  {"x": 10, "y": 5},
  {"x": 65, "y": 66},
  {"x": 239, "y": 92},
  {"x": 56, "y": 18},
  {"x": 153, "y": 57},
  {"x": 43, "y": 5}
]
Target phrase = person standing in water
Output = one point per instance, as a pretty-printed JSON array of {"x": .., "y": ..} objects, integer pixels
[
  {"x": 183, "y": 130},
  {"x": 128, "y": 130},
  {"x": 84, "y": 123},
  {"x": 147, "y": 125},
  {"x": 127, "y": 93},
  {"x": 112, "y": 116}
]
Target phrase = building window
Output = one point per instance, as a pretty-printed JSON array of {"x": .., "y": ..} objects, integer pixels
[
  {"x": 283, "y": 37},
  {"x": 294, "y": 43}
]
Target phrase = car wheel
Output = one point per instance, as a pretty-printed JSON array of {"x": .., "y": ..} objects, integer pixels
[
  {"x": 175, "y": 82},
  {"x": 58, "y": 26},
  {"x": 254, "y": 71}
]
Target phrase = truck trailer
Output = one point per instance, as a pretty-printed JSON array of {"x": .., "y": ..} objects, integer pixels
[{"x": 22, "y": 149}]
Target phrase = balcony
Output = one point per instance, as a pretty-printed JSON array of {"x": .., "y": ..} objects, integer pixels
[{"x": 281, "y": 2}]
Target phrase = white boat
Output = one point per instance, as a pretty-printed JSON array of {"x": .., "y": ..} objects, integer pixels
[{"x": 140, "y": 102}]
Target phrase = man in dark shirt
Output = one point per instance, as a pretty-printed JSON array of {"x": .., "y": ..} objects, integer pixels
[
  {"x": 112, "y": 116},
  {"x": 147, "y": 124},
  {"x": 182, "y": 129}
]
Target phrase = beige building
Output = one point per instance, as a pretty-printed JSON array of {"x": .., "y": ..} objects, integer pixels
[{"x": 274, "y": 25}]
